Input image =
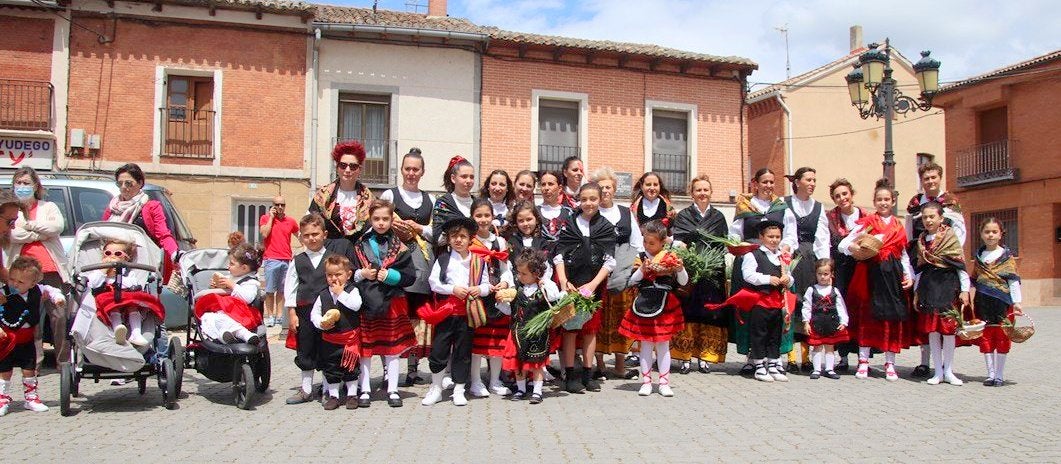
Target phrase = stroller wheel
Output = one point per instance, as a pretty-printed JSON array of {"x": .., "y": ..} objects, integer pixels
[
  {"x": 243, "y": 385},
  {"x": 263, "y": 372},
  {"x": 176, "y": 353},
  {"x": 169, "y": 378},
  {"x": 66, "y": 383}
]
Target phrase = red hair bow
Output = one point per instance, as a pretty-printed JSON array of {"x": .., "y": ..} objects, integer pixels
[
  {"x": 488, "y": 253},
  {"x": 457, "y": 159},
  {"x": 352, "y": 147}
]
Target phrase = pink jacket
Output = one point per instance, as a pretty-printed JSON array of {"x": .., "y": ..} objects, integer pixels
[{"x": 155, "y": 224}]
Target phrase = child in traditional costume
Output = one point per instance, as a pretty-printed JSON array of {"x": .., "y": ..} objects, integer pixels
[
  {"x": 22, "y": 303},
  {"x": 527, "y": 354},
  {"x": 877, "y": 293},
  {"x": 460, "y": 281},
  {"x": 384, "y": 268},
  {"x": 941, "y": 280},
  {"x": 824, "y": 319},
  {"x": 134, "y": 300},
  {"x": 489, "y": 340},
  {"x": 334, "y": 313},
  {"x": 656, "y": 314},
  {"x": 523, "y": 231},
  {"x": 584, "y": 257},
  {"x": 997, "y": 298},
  {"x": 229, "y": 310}
]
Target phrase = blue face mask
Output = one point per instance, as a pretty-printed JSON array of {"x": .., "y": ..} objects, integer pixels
[{"x": 24, "y": 192}]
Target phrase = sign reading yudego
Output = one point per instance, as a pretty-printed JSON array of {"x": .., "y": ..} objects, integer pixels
[{"x": 16, "y": 152}]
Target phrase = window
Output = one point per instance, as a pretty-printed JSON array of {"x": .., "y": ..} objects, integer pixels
[
  {"x": 557, "y": 133},
  {"x": 925, "y": 158},
  {"x": 991, "y": 125},
  {"x": 367, "y": 118},
  {"x": 89, "y": 204},
  {"x": 990, "y": 159},
  {"x": 188, "y": 117},
  {"x": 1010, "y": 228},
  {"x": 176, "y": 224},
  {"x": 245, "y": 216},
  {"x": 670, "y": 148},
  {"x": 57, "y": 195}
]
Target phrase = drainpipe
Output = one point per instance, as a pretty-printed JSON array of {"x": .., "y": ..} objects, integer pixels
[
  {"x": 314, "y": 98},
  {"x": 788, "y": 130}
]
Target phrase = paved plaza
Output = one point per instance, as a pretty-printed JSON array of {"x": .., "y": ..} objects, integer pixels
[{"x": 713, "y": 417}]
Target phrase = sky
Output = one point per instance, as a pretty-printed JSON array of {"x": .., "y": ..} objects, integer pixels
[{"x": 968, "y": 37}]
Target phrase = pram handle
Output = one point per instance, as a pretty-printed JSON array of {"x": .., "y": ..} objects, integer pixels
[{"x": 119, "y": 265}]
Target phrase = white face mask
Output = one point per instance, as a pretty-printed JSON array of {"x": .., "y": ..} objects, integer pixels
[{"x": 23, "y": 192}]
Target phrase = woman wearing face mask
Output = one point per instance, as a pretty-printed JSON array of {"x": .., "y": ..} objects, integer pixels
[{"x": 36, "y": 233}]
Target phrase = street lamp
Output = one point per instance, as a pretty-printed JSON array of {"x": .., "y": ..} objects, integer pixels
[{"x": 874, "y": 93}]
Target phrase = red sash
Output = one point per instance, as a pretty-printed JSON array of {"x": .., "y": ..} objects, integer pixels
[{"x": 351, "y": 342}]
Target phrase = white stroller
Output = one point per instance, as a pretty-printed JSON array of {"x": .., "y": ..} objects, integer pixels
[
  {"x": 94, "y": 354},
  {"x": 246, "y": 365}
]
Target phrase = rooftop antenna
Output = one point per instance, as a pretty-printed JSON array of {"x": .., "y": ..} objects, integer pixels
[
  {"x": 788, "y": 65},
  {"x": 375, "y": 5}
]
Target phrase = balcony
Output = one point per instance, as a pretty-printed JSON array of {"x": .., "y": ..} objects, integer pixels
[
  {"x": 986, "y": 163},
  {"x": 187, "y": 132},
  {"x": 25, "y": 105},
  {"x": 673, "y": 168},
  {"x": 551, "y": 157},
  {"x": 376, "y": 170}
]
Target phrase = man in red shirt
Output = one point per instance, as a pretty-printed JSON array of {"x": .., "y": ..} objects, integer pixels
[{"x": 277, "y": 229}]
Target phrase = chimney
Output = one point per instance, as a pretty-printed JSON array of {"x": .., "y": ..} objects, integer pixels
[
  {"x": 856, "y": 37},
  {"x": 436, "y": 8}
]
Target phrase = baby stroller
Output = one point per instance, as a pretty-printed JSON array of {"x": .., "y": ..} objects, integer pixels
[
  {"x": 93, "y": 351},
  {"x": 246, "y": 365}
]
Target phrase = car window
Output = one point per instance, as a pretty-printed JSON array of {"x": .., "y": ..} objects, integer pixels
[
  {"x": 173, "y": 220},
  {"x": 57, "y": 195},
  {"x": 90, "y": 204}
]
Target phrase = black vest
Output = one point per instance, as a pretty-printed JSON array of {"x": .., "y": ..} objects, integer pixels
[
  {"x": 421, "y": 215},
  {"x": 661, "y": 212},
  {"x": 824, "y": 318},
  {"x": 751, "y": 224},
  {"x": 12, "y": 310},
  {"x": 625, "y": 227},
  {"x": 258, "y": 302},
  {"x": 806, "y": 226},
  {"x": 348, "y": 318},
  {"x": 765, "y": 266},
  {"x": 311, "y": 280},
  {"x": 529, "y": 348}
]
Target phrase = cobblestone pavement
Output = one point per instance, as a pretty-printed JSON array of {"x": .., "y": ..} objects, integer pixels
[{"x": 713, "y": 417}]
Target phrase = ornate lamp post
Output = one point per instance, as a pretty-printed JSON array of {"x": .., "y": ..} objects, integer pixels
[{"x": 874, "y": 93}]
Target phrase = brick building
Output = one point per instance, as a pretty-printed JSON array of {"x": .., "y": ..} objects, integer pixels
[{"x": 1002, "y": 159}]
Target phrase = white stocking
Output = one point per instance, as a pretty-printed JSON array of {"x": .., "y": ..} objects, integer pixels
[
  {"x": 495, "y": 370},
  {"x": 936, "y": 345},
  {"x": 889, "y": 358},
  {"x": 989, "y": 360},
  {"x": 307, "y": 382},
  {"x": 1000, "y": 365},
  {"x": 863, "y": 353},
  {"x": 392, "y": 373},
  {"x": 816, "y": 359},
  {"x": 646, "y": 361},
  {"x": 136, "y": 319},
  {"x": 351, "y": 388},
  {"x": 830, "y": 361},
  {"x": 924, "y": 354},
  {"x": 477, "y": 370},
  {"x": 366, "y": 379},
  {"x": 333, "y": 388},
  {"x": 663, "y": 362},
  {"x": 116, "y": 319},
  {"x": 949, "y": 342}
]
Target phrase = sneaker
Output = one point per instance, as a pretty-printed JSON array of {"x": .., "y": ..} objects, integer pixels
[
  {"x": 536, "y": 398},
  {"x": 685, "y": 368},
  {"x": 863, "y": 369},
  {"x": 332, "y": 403},
  {"x": 645, "y": 390},
  {"x": 517, "y": 396},
  {"x": 775, "y": 372},
  {"x": 815, "y": 375},
  {"x": 952, "y": 379},
  {"x": 394, "y": 400},
  {"x": 831, "y": 375},
  {"x": 300, "y": 397},
  {"x": 458, "y": 396},
  {"x": 632, "y": 359},
  {"x": 121, "y": 334},
  {"x": 500, "y": 390},
  {"x": 434, "y": 395},
  {"x": 762, "y": 375},
  {"x": 479, "y": 390},
  {"x": 447, "y": 382},
  {"x": 138, "y": 340},
  {"x": 889, "y": 372},
  {"x": 665, "y": 391},
  {"x": 921, "y": 372},
  {"x": 4, "y": 402},
  {"x": 599, "y": 375},
  {"x": 229, "y": 337}
]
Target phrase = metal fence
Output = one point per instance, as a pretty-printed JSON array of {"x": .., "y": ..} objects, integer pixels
[
  {"x": 25, "y": 105},
  {"x": 673, "y": 169},
  {"x": 986, "y": 163},
  {"x": 551, "y": 157},
  {"x": 187, "y": 132}
]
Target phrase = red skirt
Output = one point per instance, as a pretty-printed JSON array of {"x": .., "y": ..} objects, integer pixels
[
  {"x": 389, "y": 334},
  {"x": 511, "y": 362},
  {"x": 884, "y": 335},
  {"x": 131, "y": 301},
  {"x": 489, "y": 340},
  {"x": 930, "y": 321},
  {"x": 994, "y": 339},
  {"x": 654, "y": 329},
  {"x": 231, "y": 306},
  {"x": 840, "y": 336}
]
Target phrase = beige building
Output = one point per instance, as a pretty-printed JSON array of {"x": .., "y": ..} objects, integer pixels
[{"x": 808, "y": 120}]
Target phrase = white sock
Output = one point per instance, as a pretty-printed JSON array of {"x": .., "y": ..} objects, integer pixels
[
  {"x": 392, "y": 373},
  {"x": 989, "y": 361},
  {"x": 646, "y": 361},
  {"x": 136, "y": 319},
  {"x": 863, "y": 353},
  {"x": 333, "y": 388},
  {"x": 949, "y": 342},
  {"x": 307, "y": 382},
  {"x": 663, "y": 362},
  {"x": 1000, "y": 365},
  {"x": 935, "y": 342},
  {"x": 3, "y": 387},
  {"x": 477, "y": 370},
  {"x": 351, "y": 388},
  {"x": 521, "y": 385},
  {"x": 889, "y": 357},
  {"x": 243, "y": 334},
  {"x": 116, "y": 319},
  {"x": 924, "y": 355},
  {"x": 495, "y": 370},
  {"x": 538, "y": 386},
  {"x": 816, "y": 359},
  {"x": 366, "y": 370},
  {"x": 830, "y": 361}
]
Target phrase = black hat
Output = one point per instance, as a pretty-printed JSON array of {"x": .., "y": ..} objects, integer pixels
[
  {"x": 767, "y": 224},
  {"x": 465, "y": 223}
]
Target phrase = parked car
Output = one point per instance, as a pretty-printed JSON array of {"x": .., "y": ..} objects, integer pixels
[{"x": 84, "y": 197}]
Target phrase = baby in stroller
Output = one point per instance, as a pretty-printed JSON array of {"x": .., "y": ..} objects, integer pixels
[
  {"x": 134, "y": 301},
  {"x": 227, "y": 310}
]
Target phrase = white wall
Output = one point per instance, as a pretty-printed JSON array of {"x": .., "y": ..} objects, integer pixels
[{"x": 434, "y": 104}]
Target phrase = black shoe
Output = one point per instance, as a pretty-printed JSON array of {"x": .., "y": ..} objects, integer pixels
[
  {"x": 536, "y": 398},
  {"x": 574, "y": 385},
  {"x": 806, "y": 367},
  {"x": 921, "y": 372},
  {"x": 556, "y": 373},
  {"x": 815, "y": 375},
  {"x": 704, "y": 368},
  {"x": 790, "y": 367},
  {"x": 831, "y": 375},
  {"x": 364, "y": 402},
  {"x": 410, "y": 379},
  {"x": 989, "y": 383},
  {"x": 632, "y": 359},
  {"x": 599, "y": 374},
  {"x": 685, "y": 368},
  {"x": 999, "y": 382},
  {"x": 842, "y": 365},
  {"x": 394, "y": 400},
  {"x": 517, "y": 396},
  {"x": 590, "y": 383},
  {"x": 747, "y": 369}
]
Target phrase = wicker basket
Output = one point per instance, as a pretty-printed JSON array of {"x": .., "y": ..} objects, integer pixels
[
  {"x": 870, "y": 246},
  {"x": 563, "y": 315},
  {"x": 971, "y": 331},
  {"x": 1020, "y": 334}
]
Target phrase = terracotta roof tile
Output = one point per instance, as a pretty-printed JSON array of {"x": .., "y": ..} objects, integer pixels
[
  {"x": 268, "y": 6},
  {"x": 1041, "y": 59},
  {"x": 350, "y": 15}
]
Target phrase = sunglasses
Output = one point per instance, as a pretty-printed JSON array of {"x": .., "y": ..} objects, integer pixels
[
  {"x": 280, "y": 205},
  {"x": 125, "y": 183},
  {"x": 116, "y": 254},
  {"x": 342, "y": 166}
]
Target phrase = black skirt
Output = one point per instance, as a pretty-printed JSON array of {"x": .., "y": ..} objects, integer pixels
[
  {"x": 937, "y": 289},
  {"x": 887, "y": 299},
  {"x": 989, "y": 309}
]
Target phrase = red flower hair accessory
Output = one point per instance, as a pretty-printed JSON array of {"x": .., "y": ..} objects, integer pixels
[
  {"x": 352, "y": 147},
  {"x": 455, "y": 160}
]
